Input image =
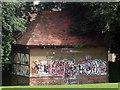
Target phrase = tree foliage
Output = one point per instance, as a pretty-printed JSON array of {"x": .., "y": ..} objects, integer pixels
[
  {"x": 111, "y": 17},
  {"x": 12, "y": 21},
  {"x": 98, "y": 18},
  {"x": 109, "y": 13}
]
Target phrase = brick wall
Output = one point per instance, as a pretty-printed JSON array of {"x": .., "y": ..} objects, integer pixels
[
  {"x": 98, "y": 55},
  {"x": 45, "y": 81},
  {"x": 58, "y": 80},
  {"x": 20, "y": 80},
  {"x": 92, "y": 78}
]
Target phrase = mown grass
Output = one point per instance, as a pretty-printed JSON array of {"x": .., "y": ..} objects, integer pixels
[{"x": 100, "y": 85}]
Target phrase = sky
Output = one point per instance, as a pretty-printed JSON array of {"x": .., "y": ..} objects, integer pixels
[{"x": 36, "y": 2}]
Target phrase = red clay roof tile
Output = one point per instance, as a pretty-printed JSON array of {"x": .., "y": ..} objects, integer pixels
[{"x": 52, "y": 28}]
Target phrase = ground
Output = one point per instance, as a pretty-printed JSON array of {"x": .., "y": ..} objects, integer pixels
[{"x": 100, "y": 85}]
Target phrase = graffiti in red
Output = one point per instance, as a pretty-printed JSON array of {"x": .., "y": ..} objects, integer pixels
[{"x": 68, "y": 69}]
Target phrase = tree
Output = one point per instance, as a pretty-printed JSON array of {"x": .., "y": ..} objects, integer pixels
[
  {"x": 98, "y": 19},
  {"x": 12, "y": 22}
]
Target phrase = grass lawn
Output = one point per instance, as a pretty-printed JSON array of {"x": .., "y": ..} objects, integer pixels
[{"x": 100, "y": 85}]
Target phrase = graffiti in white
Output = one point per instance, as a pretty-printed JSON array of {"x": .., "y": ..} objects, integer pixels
[
  {"x": 96, "y": 67},
  {"x": 69, "y": 69},
  {"x": 41, "y": 68},
  {"x": 70, "y": 80}
]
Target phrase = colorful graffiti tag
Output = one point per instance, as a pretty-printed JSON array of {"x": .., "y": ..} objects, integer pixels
[
  {"x": 93, "y": 67},
  {"x": 56, "y": 68},
  {"x": 70, "y": 80},
  {"x": 69, "y": 69},
  {"x": 41, "y": 68}
]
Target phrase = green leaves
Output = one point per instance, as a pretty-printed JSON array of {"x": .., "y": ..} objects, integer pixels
[
  {"x": 12, "y": 22},
  {"x": 18, "y": 24},
  {"x": 102, "y": 18}
]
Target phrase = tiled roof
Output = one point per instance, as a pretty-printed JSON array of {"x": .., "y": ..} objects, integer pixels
[{"x": 52, "y": 28}]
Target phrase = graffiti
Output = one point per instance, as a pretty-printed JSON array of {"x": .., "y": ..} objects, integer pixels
[
  {"x": 41, "y": 68},
  {"x": 69, "y": 69},
  {"x": 93, "y": 67},
  {"x": 70, "y": 80},
  {"x": 56, "y": 67}
]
